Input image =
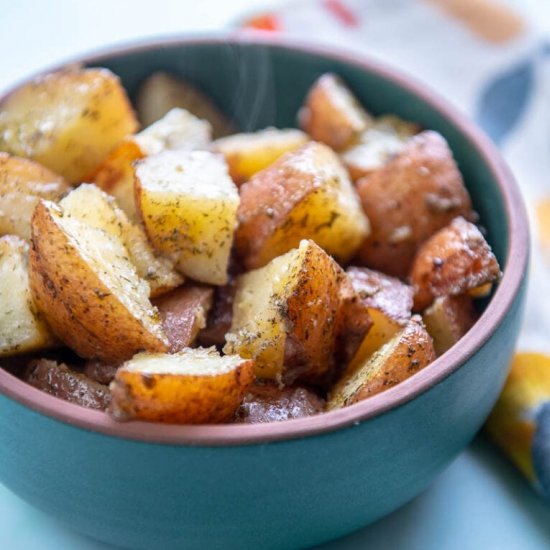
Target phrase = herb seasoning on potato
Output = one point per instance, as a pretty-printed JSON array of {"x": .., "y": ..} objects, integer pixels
[{"x": 298, "y": 255}]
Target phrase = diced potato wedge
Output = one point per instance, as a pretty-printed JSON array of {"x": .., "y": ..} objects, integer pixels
[
  {"x": 284, "y": 316},
  {"x": 270, "y": 403},
  {"x": 59, "y": 380},
  {"x": 388, "y": 302},
  {"x": 177, "y": 130},
  {"x": 188, "y": 204},
  {"x": 332, "y": 114},
  {"x": 353, "y": 321},
  {"x": 407, "y": 200},
  {"x": 448, "y": 319},
  {"x": 384, "y": 138},
  {"x": 194, "y": 386},
  {"x": 22, "y": 184},
  {"x": 21, "y": 328},
  {"x": 162, "y": 92},
  {"x": 219, "y": 319},
  {"x": 92, "y": 206},
  {"x": 68, "y": 121},
  {"x": 249, "y": 153},
  {"x": 306, "y": 194},
  {"x": 183, "y": 313},
  {"x": 454, "y": 260},
  {"x": 87, "y": 289},
  {"x": 409, "y": 351}
]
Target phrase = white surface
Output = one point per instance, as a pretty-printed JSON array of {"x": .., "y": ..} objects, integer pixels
[{"x": 480, "y": 502}]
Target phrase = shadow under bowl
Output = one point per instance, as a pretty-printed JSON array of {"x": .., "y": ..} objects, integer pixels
[{"x": 295, "y": 483}]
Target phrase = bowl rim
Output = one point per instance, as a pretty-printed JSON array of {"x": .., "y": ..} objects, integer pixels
[{"x": 441, "y": 368}]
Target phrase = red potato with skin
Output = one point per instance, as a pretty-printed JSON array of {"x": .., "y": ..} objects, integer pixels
[
  {"x": 409, "y": 351},
  {"x": 331, "y": 113},
  {"x": 270, "y": 403},
  {"x": 183, "y": 313},
  {"x": 306, "y": 194},
  {"x": 408, "y": 200},
  {"x": 454, "y": 261}
]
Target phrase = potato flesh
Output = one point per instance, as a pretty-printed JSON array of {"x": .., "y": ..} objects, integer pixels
[
  {"x": 406, "y": 353},
  {"x": 331, "y": 113},
  {"x": 68, "y": 121},
  {"x": 162, "y": 92},
  {"x": 22, "y": 184},
  {"x": 306, "y": 194},
  {"x": 384, "y": 138},
  {"x": 21, "y": 329},
  {"x": 453, "y": 261},
  {"x": 178, "y": 129},
  {"x": 248, "y": 153},
  {"x": 448, "y": 319},
  {"x": 193, "y": 387},
  {"x": 188, "y": 205},
  {"x": 87, "y": 289},
  {"x": 93, "y": 207},
  {"x": 284, "y": 316}
]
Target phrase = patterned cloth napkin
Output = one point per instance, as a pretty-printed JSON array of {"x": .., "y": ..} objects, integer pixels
[{"x": 489, "y": 62}]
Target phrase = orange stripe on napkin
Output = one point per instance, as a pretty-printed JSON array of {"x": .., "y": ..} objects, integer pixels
[
  {"x": 488, "y": 19},
  {"x": 543, "y": 222}
]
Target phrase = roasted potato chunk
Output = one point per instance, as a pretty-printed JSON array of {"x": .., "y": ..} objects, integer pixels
[
  {"x": 408, "y": 200},
  {"x": 219, "y": 319},
  {"x": 99, "y": 371},
  {"x": 448, "y": 319},
  {"x": 332, "y": 114},
  {"x": 60, "y": 381},
  {"x": 68, "y": 121},
  {"x": 21, "y": 328},
  {"x": 284, "y": 316},
  {"x": 177, "y": 130},
  {"x": 188, "y": 204},
  {"x": 93, "y": 207},
  {"x": 194, "y": 386},
  {"x": 183, "y": 313},
  {"x": 409, "y": 351},
  {"x": 383, "y": 139},
  {"x": 454, "y": 260},
  {"x": 270, "y": 403},
  {"x": 306, "y": 194},
  {"x": 88, "y": 291},
  {"x": 22, "y": 184},
  {"x": 161, "y": 92},
  {"x": 388, "y": 302},
  {"x": 249, "y": 153}
]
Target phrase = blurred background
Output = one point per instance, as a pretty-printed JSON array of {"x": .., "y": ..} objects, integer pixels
[{"x": 491, "y": 59}]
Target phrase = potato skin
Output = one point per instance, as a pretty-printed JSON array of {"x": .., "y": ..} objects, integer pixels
[
  {"x": 22, "y": 184},
  {"x": 179, "y": 399},
  {"x": 100, "y": 372},
  {"x": 79, "y": 308},
  {"x": 306, "y": 194},
  {"x": 407, "y": 353},
  {"x": 454, "y": 260},
  {"x": 60, "y": 381},
  {"x": 331, "y": 113},
  {"x": 448, "y": 319},
  {"x": 220, "y": 315},
  {"x": 270, "y": 403},
  {"x": 407, "y": 200},
  {"x": 86, "y": 113},
  {"x": 183, "y": 314}
]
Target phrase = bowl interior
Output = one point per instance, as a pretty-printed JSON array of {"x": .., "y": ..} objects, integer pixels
[{"x": 263, "y": 85}]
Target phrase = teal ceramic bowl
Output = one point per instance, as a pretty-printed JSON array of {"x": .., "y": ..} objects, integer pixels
[{"x": 301, "y": 482}]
